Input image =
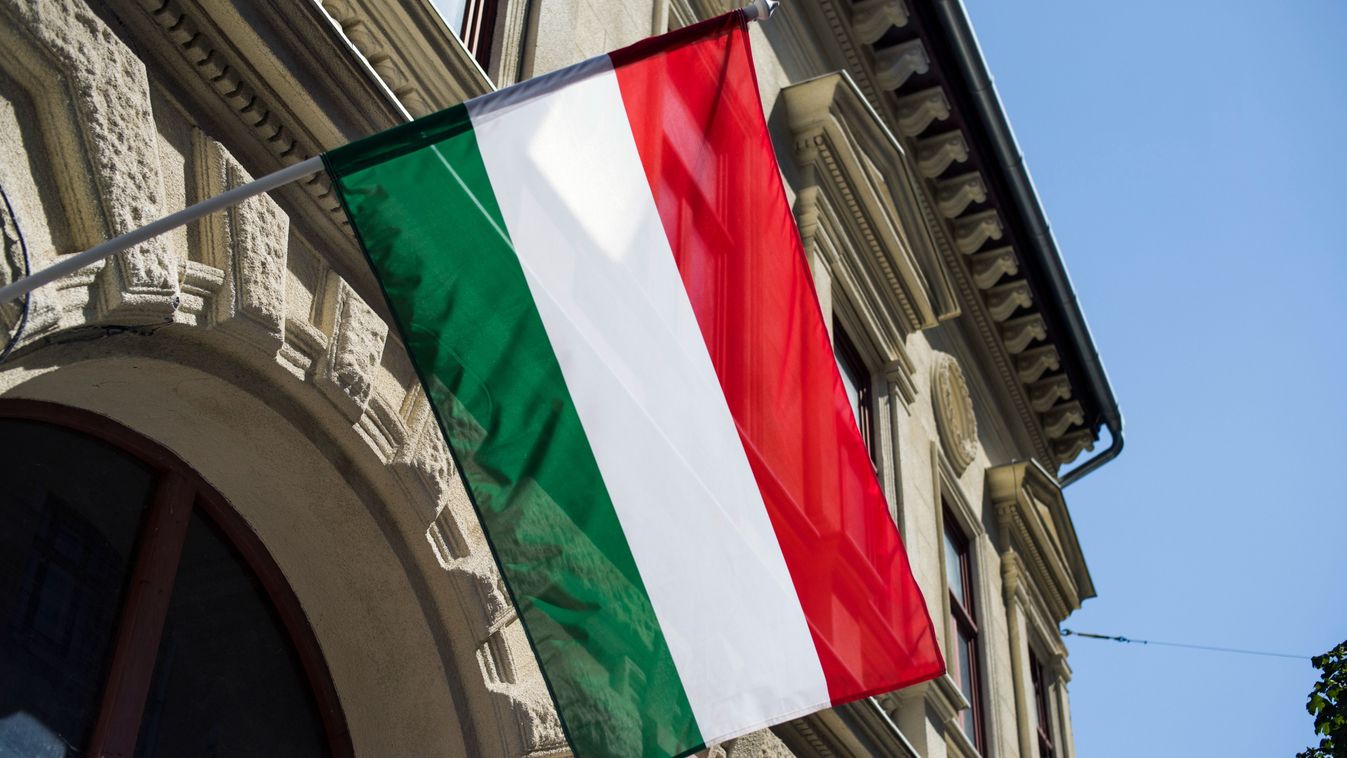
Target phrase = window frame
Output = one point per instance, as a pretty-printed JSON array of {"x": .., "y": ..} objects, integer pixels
[
  {"x": 479, "y": 29},
  {"x": 475, "y": 29},
  {"x": 178, "y": 492},
  {"x": 965, "y": 629}
]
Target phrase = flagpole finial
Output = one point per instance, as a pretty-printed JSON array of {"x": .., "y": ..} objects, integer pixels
[{"x": 760, "y": 10}]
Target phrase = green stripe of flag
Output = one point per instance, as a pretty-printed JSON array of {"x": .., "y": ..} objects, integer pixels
[{"x": 445, "y": 261}]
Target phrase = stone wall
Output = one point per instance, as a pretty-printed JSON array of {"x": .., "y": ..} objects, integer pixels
[{"x": 254, "y": 344}]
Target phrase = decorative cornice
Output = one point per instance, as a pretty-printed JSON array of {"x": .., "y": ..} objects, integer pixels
[
  {"x": 871, "y": 18},
  {"x": 1004, "y": 299},
  {"x": 805, "y": 736},
  {"x": 215, "y": 64},
  {"x": 972, "y": 230},
  {"x": 1036, "y": 532},
  {"x": 935, "y": 154},
  {"x": 1032, "y": 364},
  {"x": 945, "y": 698},
  {"x": 841, "y": 147},
  {"x": 902, "y": 77},
  {"x": 1019, "y": 332},
  {"x": 411, "y": 49},
  {"x": 920, "y": 109},
  {"x": 268, "y": 127},
  {"x": 955, "y": 194},
  {"x": 1045, "y": 394},
  {"x": 1062, "y": 417},
  {"x": 895, "y": 65}
]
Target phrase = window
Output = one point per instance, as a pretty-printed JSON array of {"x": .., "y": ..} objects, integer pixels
[
  {"x": 856, "y": 380},
  {"x": 1045, "y": 745},
  {"x": 965, "y": 661},
  {"x": 139, "y": 615},
  {"x": 474, "y": 22}
]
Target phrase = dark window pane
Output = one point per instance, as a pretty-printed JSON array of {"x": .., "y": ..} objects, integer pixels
[
  {"x": 856, "y": 383},
  {"x": 71, "y": 508},
  {"x": 228, "y": 681},
  {"x": 854, "y": 378}
]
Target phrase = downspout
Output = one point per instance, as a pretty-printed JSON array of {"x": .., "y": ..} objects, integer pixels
[{"x": 1043, "y": 247}]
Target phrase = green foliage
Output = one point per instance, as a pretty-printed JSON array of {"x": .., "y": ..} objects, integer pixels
[{"x": 1328, "y": 705}]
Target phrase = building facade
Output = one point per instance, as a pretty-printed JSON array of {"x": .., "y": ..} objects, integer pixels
[{"x": 225, "y": 478}]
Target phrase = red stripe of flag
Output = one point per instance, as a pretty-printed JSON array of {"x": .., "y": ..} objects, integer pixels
[{"x": 696, "y": 114}]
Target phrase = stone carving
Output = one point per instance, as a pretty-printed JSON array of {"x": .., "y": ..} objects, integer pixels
[
  {"x": 256, "y": 235},
  {"x": 446, "y": 539},
  {"x": 971, "y": 231},
  {"x": 1071, "y": 445},
  {"x": 935, "y": 154},
  {"x": 954, "y": 195},
  {"x": 1004, "y": 299},
  {"x": 902, "y": 63},
  {"x": 371, "y": 45},
  {"x": 214, "y": 66},
  {"x": 356, "y": 344},
  {"x": 871, "y": 18},
  {"x": 918, "y": 110},
  {"x": 1062, "y": 417},
  {"x": 427, "y": 457},
  {"x": 1045, "y": 394},
  {"x": 1031, "y": 364},
  {"x": 1019, "y": 332},
  {"x": 497, "y": 658},
  {"x": 895, "y": 65},
  {"x": 954, "y": 412},
  {"x": 115, "y": 145},
  {"x": 224, "y": 77},
  {"x": 988, "y": 267}
]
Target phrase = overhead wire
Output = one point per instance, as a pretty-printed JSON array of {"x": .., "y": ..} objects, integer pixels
[{"x": 1190, "y": 646}]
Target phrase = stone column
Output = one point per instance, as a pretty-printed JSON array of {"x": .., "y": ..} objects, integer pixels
[{"x": 1021, "y": 681}]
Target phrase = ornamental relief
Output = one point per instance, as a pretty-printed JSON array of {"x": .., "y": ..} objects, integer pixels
[{"x": 954, "y": 412}]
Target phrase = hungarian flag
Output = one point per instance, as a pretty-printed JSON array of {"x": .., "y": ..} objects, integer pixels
[{"x": 600, "y": 281}]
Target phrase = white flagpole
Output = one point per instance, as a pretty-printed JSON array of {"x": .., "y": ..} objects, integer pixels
[
  {"x": 758, "y": 10},
  {"x": 226, "y": 199}
]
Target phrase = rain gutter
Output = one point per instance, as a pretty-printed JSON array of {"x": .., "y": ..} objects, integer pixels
[{"x": 1042, "y": 247}]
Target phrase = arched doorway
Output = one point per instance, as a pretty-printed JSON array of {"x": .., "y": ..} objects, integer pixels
[{"x": 139, "y": 614}]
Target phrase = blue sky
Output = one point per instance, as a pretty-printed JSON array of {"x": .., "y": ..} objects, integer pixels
[{"x": 1191, "y": 158}]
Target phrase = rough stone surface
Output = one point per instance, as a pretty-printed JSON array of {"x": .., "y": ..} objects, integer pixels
[
  {"x": 357, "y": 342},
  {"x": 259, "y": 237},
  {"x": 762, "y": 744},
  {"x": 109, "y": 88}
]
